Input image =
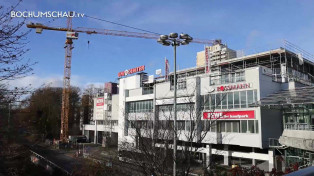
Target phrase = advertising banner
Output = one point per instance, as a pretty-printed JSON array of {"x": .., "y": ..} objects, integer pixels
[{"x": 229, "y": 115}]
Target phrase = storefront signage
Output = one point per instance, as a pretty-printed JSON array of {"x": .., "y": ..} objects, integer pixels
[
  {"x": 229, "y": 115},
  {"x": 131, "y": 71},
  {"x": 234, "y": 87},
  {"x": 100, "y": 102}
]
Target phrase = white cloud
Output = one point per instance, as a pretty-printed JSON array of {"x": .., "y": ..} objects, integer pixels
[{"x": 35, "y": 81}]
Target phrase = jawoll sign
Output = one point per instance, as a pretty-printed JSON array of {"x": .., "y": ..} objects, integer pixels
[
  {"x": 131, "y": 71},
  {"x": 234, "y": 87},
  {"x": 229, "y": 115}
]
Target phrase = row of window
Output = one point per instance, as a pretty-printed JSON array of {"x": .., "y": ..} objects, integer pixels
[
  {"x": 107, "y": 122},
  {"x": 230, "y": 100},
  {"x": 140, "y": 106},
  {"x": 180, "y": 107},
  {"x": 227, "y": 78},
  {"x": 236, "y": 126}
]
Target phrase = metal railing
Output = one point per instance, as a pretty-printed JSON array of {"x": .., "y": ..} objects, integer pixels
[{"x": 299, "y": 126}]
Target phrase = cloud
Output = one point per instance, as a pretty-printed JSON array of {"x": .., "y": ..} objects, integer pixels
[{"x": 35, "y": 81}]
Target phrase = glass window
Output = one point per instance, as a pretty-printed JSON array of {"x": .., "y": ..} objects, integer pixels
[
  {"x": 228, "y": 126},
  {"x": 222, "y": 127},
  {"x": 243, "y": 126},
  {"x": 212, "y": 102},
  {"x": 218, "y": 101},
  {"x": 255, "y": 95},
  {"x": 243, "y": 99},
  {"x": 236, "y": 100},
  {"x": 230, "y": 100},
  {"x": 256, "y": 126},
  {"x": 207, "y": 125},
  {"x": 213, "y": 126},
  {"x": 233, "y": 77},
  {"x": 181, "y": 125},
  {"x": 250, "y": 97},
  {"x": 224, "y": 100},
  {"x": 187, "y": 125},
  {"x": 206, "y": 103},
  {"x": 235, "y": 126},
  {"x": 251, "y": 126}
]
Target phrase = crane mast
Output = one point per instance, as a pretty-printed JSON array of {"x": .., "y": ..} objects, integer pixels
[
  {"x": 73, "y": 34},
  {"x": 64, "y": 132}
]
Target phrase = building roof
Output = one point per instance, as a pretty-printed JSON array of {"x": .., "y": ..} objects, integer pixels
[{"x": 302, "y": 95}]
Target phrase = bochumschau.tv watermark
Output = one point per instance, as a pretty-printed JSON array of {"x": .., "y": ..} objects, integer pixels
[{"x": 46, "y": 14}]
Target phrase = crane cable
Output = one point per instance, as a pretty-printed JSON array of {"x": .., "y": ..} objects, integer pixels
[{"x": 95, "y": 18}]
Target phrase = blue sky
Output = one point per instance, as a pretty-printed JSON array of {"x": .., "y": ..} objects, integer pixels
[{"x": 242, "y": 24}]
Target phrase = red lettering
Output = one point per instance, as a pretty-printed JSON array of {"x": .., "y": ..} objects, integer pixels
[{"x": 132, "y": 70}]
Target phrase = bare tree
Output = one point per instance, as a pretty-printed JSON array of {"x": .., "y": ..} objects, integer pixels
[
  {"x": 13, "y": 40},
  {"x": 153, "y": 133}
]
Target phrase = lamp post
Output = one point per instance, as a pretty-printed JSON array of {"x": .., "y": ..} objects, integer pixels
[{"x": 175, "y": 40}]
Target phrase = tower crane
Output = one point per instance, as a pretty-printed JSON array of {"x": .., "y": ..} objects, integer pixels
[{"x": 72, "y": 34}]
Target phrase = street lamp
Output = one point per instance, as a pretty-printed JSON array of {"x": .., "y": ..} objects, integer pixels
[{"x": 175, "y": 40}]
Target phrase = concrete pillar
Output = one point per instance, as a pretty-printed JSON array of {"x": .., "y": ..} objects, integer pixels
[
  {"x": 271, "y": 159},
  {"x": 253, "y": 159},
  {"x": 227, "y": 156}
]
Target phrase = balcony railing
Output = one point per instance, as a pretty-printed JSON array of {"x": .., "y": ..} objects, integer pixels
[{"x": 299, "y": 126}]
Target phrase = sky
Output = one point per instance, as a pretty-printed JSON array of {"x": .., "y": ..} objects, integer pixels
[{"x": 243, "y": 25}]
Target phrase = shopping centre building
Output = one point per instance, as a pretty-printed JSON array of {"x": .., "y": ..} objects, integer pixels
[{"x": 219, "y": 99}]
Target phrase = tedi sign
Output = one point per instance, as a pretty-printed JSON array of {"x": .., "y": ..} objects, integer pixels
[
  {"x": 234, "y": 87},
  {"x": 131, "y": 71}
]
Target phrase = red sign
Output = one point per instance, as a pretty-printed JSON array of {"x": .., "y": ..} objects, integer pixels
[
  {"x": 100, "y": 102},
  {"x": 207, "y": 60},
  {"x": 229, "y": 115},
  {"x": 132, "y": 70},
  {"x": 234, "y": 87}
]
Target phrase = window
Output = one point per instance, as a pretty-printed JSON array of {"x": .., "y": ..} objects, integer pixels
[
  {"x": 140, "y": 106},
  {"x": 243, "y": 126},
  {"x": 181, "y": 83},
  {"x": 236, "y": 100},
  {"x": 230, "y": 100},
  {"x": 218, "y": 101},
  {"x": 251, "y": 126},
  {"x": 235, "y": 126},
  {"x": 224, "y": 100},
  {"x": 228, "y": 126},
  {"x": 212, "y": 98},
  {"x": 243, "y": 99},
  {"x": 227, "y": 78},
  {"x": 222, "y": 127},
  {"x": 148, "y": 89},
  {"x": 188, "y": 125},
  {"x": 256, "y": 126},
  {"x": 181, "y": 124},
  {"x": 213, "y": 126},
  {"x": 250, "y": 97}
]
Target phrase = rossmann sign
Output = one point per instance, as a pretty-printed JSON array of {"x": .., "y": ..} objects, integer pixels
[
  {"x": 234, "y": 87},
  {"x": 229, "y": 115},
  {"x": 131, "y": 71}
]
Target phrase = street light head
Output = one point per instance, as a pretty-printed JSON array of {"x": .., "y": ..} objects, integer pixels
[
  {"x": 173, "y": 35},
  {"x": 166, "y": 43},
  {"x": 184, "y": 36},
  {"x": 164, "y": 37},
  {"x": 184, "y": 42},
  {"x": 189, "y": 39},
  {"x": 160, "y": 41}
]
